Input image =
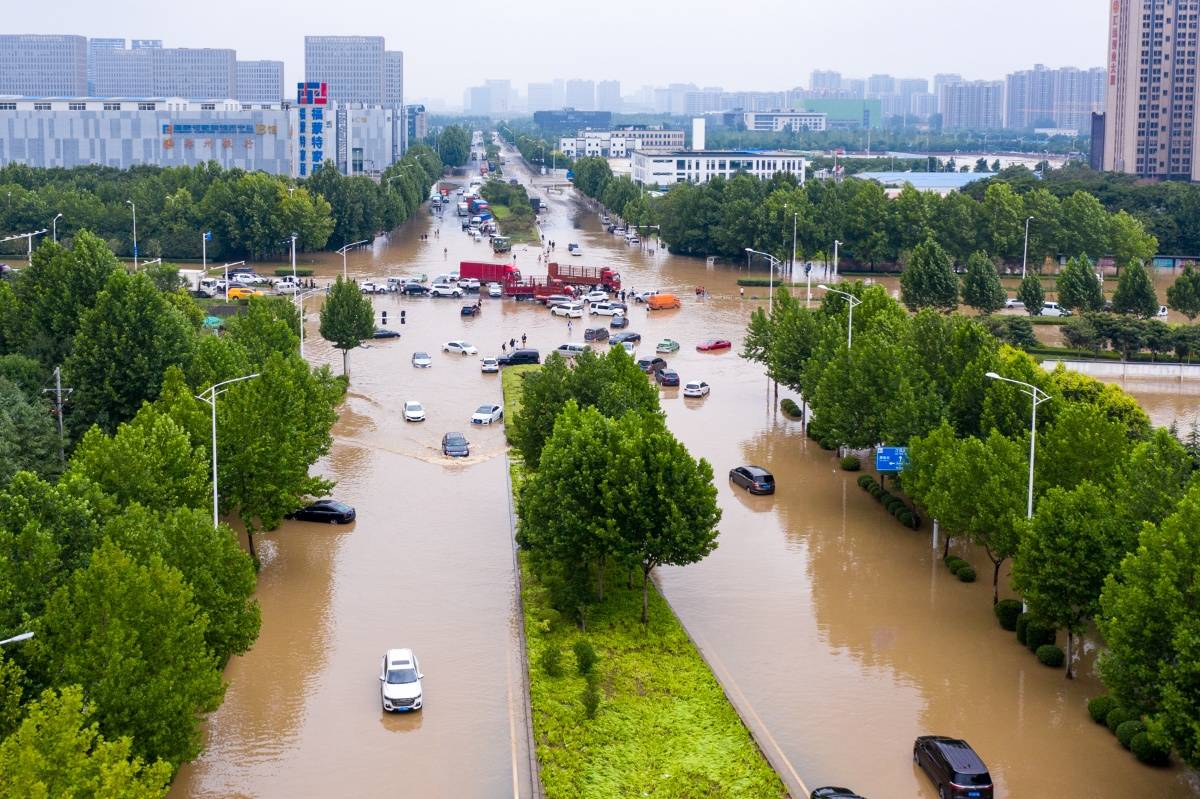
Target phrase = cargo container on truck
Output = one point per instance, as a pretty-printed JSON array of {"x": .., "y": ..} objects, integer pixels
[
  {"x": 488, "y": 273},
  {"x": 586, "y": 275}
]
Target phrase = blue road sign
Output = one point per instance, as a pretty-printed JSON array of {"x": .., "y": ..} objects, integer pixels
[{"x": 891, "y": 459}]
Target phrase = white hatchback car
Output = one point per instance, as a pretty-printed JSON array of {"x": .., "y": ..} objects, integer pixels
[
  {"x": 489, "y": 365},
  {"x": 444, "y": 290},
  {"x": 571, "y": 310},
  {"x": 400, "y": 681},
  {"x": 461, "y": 347},
  {"x": 695, "y": 388},
  {"x": 414, "y": 411},
  {"x": 486, "y": 414},
  {"x": 596, "y": 296}
]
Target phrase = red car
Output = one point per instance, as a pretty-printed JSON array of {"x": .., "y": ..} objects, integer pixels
[{"x": 713, "y": 344}]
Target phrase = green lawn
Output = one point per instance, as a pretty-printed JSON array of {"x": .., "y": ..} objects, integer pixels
[{"x": 664, "y": 727}]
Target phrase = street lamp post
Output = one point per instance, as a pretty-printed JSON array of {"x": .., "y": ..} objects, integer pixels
[
  {"x": 1025, "y": 253},
  {"x": 210, "y": 396},
  {"x": 300, "y": 298},
  {"x": 17, "y": 638},
  {"x": 226, "y": 268},
  {"x": 1038, "y": 397},
  {"x": 135, "y": 253},
  {"x": 774, "y": 262},
  {"x": 345, "y": 248},
  {"x": 836, "y": 244},
  {"x": 850, "y": 298},
  {"x": 29, "y": 242},
  {"x": 54, "y": 225}
]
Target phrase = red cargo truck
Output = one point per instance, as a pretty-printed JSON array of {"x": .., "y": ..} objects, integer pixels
[
  {"x": 586, "y": 275},
  {"x": 488, "y": 273},
  {"x": 539, "y": 288}
]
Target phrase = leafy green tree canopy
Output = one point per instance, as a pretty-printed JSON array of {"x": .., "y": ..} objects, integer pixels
[
  {"x": 347, "y": 318},
  {"x": 1184, "y": 294},
  {"x": 928, "y": 280},
  {"x": 1135, "y": 293},
  {"x": 981, "y": 287}
]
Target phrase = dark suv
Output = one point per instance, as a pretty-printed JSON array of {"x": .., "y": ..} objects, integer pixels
[
  {"x": 953, "y": 767},
  {"x": 517, "y": 357}
]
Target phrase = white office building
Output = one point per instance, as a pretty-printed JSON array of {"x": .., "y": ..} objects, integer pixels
[
  {"x": 260, "y": 81},
  {"x": 777, "y": 121},
  {"x": 663, "y": 169},
  {"x": 43, "y": 66},
  {"x": 621, "y": 142}
]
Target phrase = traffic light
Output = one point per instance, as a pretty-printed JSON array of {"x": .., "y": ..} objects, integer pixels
[
  {"x": 385, "y": 318},
  {"x": 402, "y": 317}
]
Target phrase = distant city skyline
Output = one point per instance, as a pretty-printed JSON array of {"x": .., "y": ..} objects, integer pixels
[{"x": 917, "y": 40}]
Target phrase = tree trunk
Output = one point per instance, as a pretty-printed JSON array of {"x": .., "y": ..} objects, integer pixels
[
  {"x": 345, "y": 363},
  {"x": 250, "y": 541},
  {"x": 996, "y": 581},
  {"x": 645, "y": 596},
  {"x": 946, "y": 548},
  {"x": 600, "y": 580},
  {"x": 1070, "y": 646}
]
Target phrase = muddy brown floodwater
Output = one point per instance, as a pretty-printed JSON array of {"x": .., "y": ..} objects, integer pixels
[{"x": 839, "y": 630}]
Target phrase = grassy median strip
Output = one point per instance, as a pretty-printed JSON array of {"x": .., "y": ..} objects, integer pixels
[{"x": 651, "y": 719}]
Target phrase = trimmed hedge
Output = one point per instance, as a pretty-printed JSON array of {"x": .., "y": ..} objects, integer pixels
[
  {"x": 1149, "y": 752},
  {"x": 966, "y": 574},
  {"x": 864, "y": 481},
  {"x": 1127, "y": 730},
  {"x": 1038, "y": 635},
  {"x": 790, "y": 408},
  {"x": 1116, "y": 717},
  {"x": 1050, "y": 655},
  {"x": 1022, "y": 627},
  {"x": 301, "y": 271},
  {"x": 1100, "y": 706},
  {"x": 851, "y": 463},
  {"x": 954, "y": 563},
  {"x": 1007, "y": 611},
  {"x": 895, "y": 506}
]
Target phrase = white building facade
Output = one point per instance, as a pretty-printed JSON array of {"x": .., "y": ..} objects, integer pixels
[
  {"x": 700, "y": 166},
  {"x": 777, "y": 121},
  {"x": 619, "y": 143}
]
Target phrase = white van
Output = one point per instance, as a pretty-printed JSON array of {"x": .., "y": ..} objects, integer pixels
[{"x": 1053, "y": 309}]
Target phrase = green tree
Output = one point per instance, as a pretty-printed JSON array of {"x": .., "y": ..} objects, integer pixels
[
  {"x": 1150, "y": 620},
  {"x": 928, "y": 280},
  {"x": 1130, "y": 243},
  {"x": 1135, "y": 293},
  {"x": 1031, "y": 294},
  {"x": 981, "y": 287},
  {"x": 347, "y": 318},
  {"x": 28, "y": 437},
  {"x": 1070, "y": 547},
  {"x": 124, "y": 344},
  {"x": 543, "y": 394},
  {"x": 270, "y": 324},
  {"x": 1077, "y": 286},
  {"x": 1184, "y": 294},
  {"x": 1085, "y": 225},
  {"x": 58, "y": 751},
  {"x": 12, "y": 689},
  {"x": 920, "y": 476},
  {"x": 149, "y": 460},
  {"x": 1153, "y": 479},
  {"x": 212, "y": 561},
  {"x": 1002, "y": 220},
  {"x": 667, "y": 510},
  {"x": 134, "y": 636},
  {"x": 454, "y": 145},
  {"x": 272, "y": 429},
  {"x": 1082, "y": 443}
]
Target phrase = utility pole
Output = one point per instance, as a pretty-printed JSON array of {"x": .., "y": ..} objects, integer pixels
[{"x": 57, "y": 391}]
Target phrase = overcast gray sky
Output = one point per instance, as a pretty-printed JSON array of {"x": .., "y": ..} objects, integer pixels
[{"x": 743, "y": 44}]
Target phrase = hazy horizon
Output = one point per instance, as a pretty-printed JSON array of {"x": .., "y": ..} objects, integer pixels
[{"x": 674, "y": 42}]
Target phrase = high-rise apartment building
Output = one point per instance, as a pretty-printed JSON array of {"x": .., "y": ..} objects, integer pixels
[
  {"x": 193, "y": 72},
  {"x": 32, "y": 65},
  {"x": 1150, "y": 126},
  {"x": 123, "y": 73},
  {"x": 352, "y": 66},
  {"x": 608, "y": 95},
  {"x": 580, "y": 95},
  {"x": 1080, "y": 93},
  {"x": 393, "y": 78},
  {"x": 880, "y": 86},
  {"x": 540, "y": 97},
  {"x": 499, "y": 91},
  {"x": 940, "y": 82},
  {"x": 973, "y": 105},
  {"x": 260, "y": 81},
  {"x": 825, "y": 80},
  {"x": 95, "y": 46},
  {"x": 1056, "y": 98}
]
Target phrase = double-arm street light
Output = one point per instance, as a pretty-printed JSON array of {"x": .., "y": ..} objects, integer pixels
[
  {"x": 346, "y": 248},
  {"x": 774, "y": 262},
  {"x": 1025, "y": 253},
  {"x": 29, "y": 242},
  {"x": 210, "y": 396},
  {"x": 850, "y": 298},
  {"x": 1038, "y": 397}
]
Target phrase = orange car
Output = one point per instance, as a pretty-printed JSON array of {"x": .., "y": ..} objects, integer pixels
[{"x": 239, "y": 293}]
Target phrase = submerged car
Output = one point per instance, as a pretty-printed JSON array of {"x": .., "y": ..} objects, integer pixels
[
  {"x": 488, "y": 365},
  {"x": 596, "y": 334},
  {"x": 400, "y": 681},
  {"x": 713, "y": 344},
  {"x": 414, "y": 411},
  {"x": 619, "y": 321},
  {"x": 651, "y": 365},
  {"x": 325, "y": 510},
  {"x": 754, "y": 479},
  {"x": 695, "y": 388},
  {"x": 953, "y": 767},
  {"x": 460, "y": 346},
  {"x": 385, "y": 332},
  {"x": 455, "y": 445},
  {"x": 667, "y": 345},
  {"x": 421, "y": 360},
  {"x": 833, "y": 792},
  {"x": 628, "y": 335},
  {"x": 486, "y": 414},
  {"x": 667, "y": 377}
]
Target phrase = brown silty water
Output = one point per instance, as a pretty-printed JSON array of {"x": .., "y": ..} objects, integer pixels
[{"x": 840, "y": 632}]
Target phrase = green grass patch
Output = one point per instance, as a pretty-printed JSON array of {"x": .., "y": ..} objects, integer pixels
[
  {"x": 510, "y": 386},
  {"x": 524, "y": 234},
  {"x": 663, "y": 727},
  {"x": 301, "y": 271}
]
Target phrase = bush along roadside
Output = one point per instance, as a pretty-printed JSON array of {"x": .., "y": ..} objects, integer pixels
[
  {"x": 895, "y": 506},
  {"x": 1131, "y": 731},
  {"x": 790, "y": 408},
  {"x": 964, "y": 571}
]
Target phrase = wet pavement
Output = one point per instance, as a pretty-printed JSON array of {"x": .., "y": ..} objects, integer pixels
[{"x": 840, "y": 632}]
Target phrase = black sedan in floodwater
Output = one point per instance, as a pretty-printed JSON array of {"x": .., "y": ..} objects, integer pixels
[
  {"x": 325, "y": 510},
  {"x": 754, "y": 479},
  {"x": 455, "y": 445}
]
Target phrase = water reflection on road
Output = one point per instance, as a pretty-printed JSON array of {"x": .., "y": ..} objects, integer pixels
[{"x": 841, "y": 628}]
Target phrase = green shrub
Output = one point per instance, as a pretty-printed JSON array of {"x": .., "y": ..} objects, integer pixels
[
  {"x": 1050, "y": 655},
  {"x": 877, "y": 491},
  {"x": 590, "y": 698},
  {"x": 1127, "y": 729},
  {"x": 1022, "y": 627},
  {"x": 1099, "y": 707},
  {"x": 884, "y": 496},
  {"x": 1116, "y": 717},
  {"x": 1039, "y": 634},
  {"x": 1007, "y": 611},
  {"x": 827, "y": 444},
  {"x": 1148, "y": 751},
  {"x": 905, "y": 517},
  {"x": 790, "y": 408},
  {"x": 955, "y": 563},
  {"x": 585, "y": 656},
  {"x": 851, "y": 463},
  {"x": 864, "y": 481},
  {"x": 966, "y": 574},
  {"x": 552, "y": 661}
]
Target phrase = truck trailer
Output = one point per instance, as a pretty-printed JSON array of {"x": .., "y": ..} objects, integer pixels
[{"x": 577, "y": 275}]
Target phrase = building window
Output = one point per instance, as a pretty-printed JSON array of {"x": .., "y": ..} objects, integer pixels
[
  {"x": 77, "y": 106},
  {"x": 208, "y": 106},
  {"x": 112, "y": 106},
  {"x": 8, "y": 106},
  {"x": 41, "y": 106},
  {"x": 146, "y": 106}
]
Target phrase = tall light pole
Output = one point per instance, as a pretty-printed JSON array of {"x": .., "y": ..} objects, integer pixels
[
  {"x": 294, "y": 281},
  {"x": 135, "y": 254},
  {"x": 836, "y": 244},
  {"x": 850, "y": 298},
  {"x": 210, "y": 396},
  {"x": 1025, "y": 254},
  {"x": 1038, "y": 397},
  {"x": 774, "y": 262},
  {"x": 204, "y": 237},
  {"x": 300, "y": 298},
  {"x": 345, "y": 248},
  {"x": 226, "y": 268},
  {"x": 54, "y": 225},
  {"x": 29, "y": 242}
]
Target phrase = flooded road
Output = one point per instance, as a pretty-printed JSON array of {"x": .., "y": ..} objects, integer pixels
[{"x": 842, "y": 630}]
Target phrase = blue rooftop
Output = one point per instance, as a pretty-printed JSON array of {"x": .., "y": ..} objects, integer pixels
[{"x": 925, "y": 180}]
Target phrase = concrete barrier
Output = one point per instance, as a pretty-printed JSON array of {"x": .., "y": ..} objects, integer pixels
[{"x": 1124, "y": 370}]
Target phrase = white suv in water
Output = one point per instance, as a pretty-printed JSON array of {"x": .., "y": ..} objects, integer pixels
[{"x": 400, "y": 681}]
